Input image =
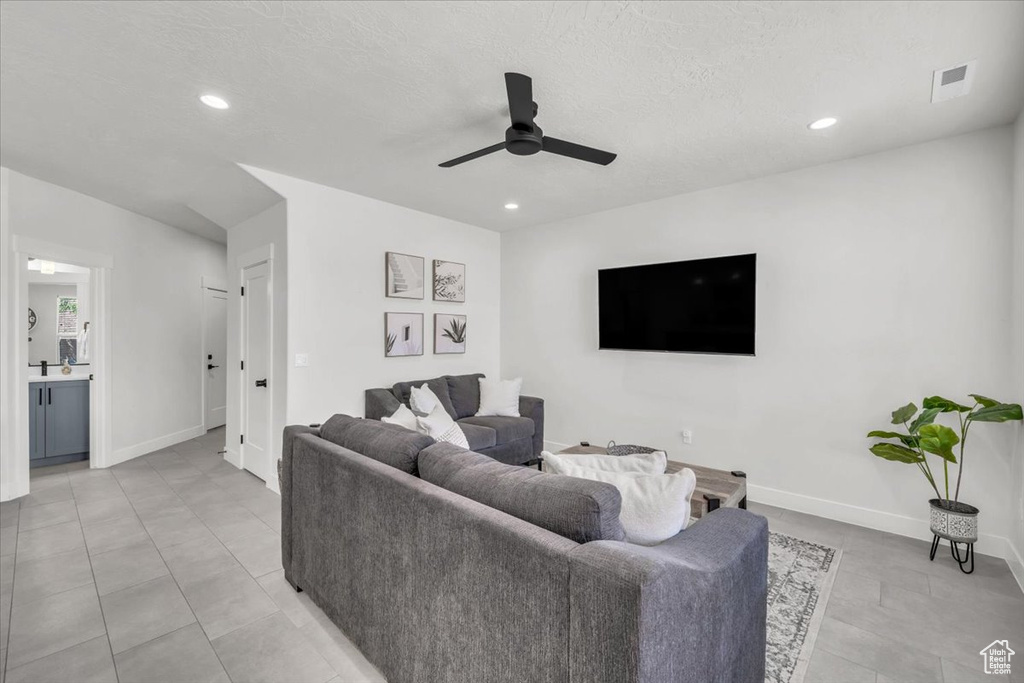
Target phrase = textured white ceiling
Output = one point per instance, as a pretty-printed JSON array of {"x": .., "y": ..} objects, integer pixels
[{"x": 371, "y": 96}]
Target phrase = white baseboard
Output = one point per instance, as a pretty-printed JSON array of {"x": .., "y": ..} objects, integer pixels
[
  {"x": 988, "y": 544},
  {"x": 123, "y": 454},
  {"x": 1016, "y": 562},
  {"x": 232, "y": 455},
  {"x": 272, "y": 483}
]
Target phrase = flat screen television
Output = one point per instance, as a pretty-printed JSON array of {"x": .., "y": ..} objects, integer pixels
[{"x": 702, "y": 306}]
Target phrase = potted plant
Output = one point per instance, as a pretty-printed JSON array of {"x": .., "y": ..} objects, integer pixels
[{"x": 950, "y": 519}]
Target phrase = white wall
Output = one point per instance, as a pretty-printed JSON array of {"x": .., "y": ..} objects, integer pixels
[
  {"x": 156, "y": 298},
  {"x": 267, "y": 228},
  {"x": 881, "y": 279},
  {"x": 1016, "y": 558},
  {"x": 336, "y": 302}
]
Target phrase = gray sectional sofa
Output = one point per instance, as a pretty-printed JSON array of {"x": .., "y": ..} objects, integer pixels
[
  {"x": 445, "y": 566},
  {"x": 511, "y": 440}
]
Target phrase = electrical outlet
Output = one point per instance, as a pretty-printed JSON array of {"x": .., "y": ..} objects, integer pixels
[
  {"x": 687, "y": 436},
  {"x": 302, "y": 360}
]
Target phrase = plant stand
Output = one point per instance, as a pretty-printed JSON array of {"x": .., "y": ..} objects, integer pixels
[
  {"x": 957, "y": 523},
  {"x": 954, "y": 550}
]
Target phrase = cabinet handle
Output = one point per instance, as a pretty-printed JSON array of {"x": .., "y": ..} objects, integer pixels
[
  {"x": 40, "y": 396},
  {"x": 49, "y": 396}
]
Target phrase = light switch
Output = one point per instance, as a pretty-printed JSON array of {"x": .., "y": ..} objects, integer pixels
[{"x": 302, "y": 360}]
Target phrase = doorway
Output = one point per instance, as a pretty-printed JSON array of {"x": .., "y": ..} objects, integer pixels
[
  {"x": 215, "y": 348},
  {"x": 257, "y": 370},
  {"x": 94, "y": 345},
  {"x": 58, "y": 334}
]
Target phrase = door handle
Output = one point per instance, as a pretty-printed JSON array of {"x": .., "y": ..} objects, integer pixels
[
  {"x": 261, "y": 383},
  {"x": 210, "y": 366}
]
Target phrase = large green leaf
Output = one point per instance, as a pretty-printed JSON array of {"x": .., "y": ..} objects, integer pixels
[
  {"x": 1000, "y": 412},
  {"x": 926, "y": 417},
  {"x": 985, "y": 401},
  {"x": 945, "y": 405},
  {"x": 882, "y": 434},
  {"x": 901, "y": 415},
  {"x": 907, "y": 439},
  {"x": 896, "y": 453},
  {"x": 939, "y": 440}
]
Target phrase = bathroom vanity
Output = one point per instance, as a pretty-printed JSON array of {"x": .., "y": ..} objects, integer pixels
[{"x": 58, "y": 420}]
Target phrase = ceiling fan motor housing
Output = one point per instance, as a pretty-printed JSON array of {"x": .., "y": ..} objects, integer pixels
[{"x": 524, "y": 141}]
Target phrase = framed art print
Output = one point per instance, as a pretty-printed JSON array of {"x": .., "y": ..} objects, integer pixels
[
  {"x": 449, "y": 333},
  {"x": 403, "y": 276},
  {"x": 403, "y": 334},
  {"x": 449, "y": 281}
]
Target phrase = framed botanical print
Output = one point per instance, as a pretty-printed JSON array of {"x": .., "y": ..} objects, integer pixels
[
  {"x": 449, "y": 333},
  {"x": 449, "y": 281},
  {"x": 403, "y": 276}
]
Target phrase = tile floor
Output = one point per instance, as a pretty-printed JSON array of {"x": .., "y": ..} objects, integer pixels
[
  {"x": 895, "y": 617},
  {"x": 167, "y": 568}
]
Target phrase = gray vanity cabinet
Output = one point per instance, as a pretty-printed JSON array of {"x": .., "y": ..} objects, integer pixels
[{"x": 58, "y": 421}]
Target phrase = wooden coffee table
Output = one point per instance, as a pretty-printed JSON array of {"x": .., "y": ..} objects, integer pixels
[{"x": 715, "y": 488}]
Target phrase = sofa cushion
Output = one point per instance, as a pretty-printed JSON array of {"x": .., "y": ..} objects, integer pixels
[
  {"x": 386, "y": 443},
  {"x": 441, "y": 427},
  {"x": 648, "y": 463},
  {"x": 438, "y": 385},
  {"x": 578, "y": 509},
  {"x": 507, "y": 429},
  {"x": 655, "y": 507},
  {"x": 465, "y": 394},
  {"x": 478, "y": 436}
]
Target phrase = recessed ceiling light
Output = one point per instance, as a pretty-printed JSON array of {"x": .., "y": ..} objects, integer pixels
[
  {"x": 214, "y": 101},
  {"x": 824, "y": 123},
  {"x": 511, "y": 206}
]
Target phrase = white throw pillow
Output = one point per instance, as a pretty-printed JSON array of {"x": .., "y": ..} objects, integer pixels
[
  {"x": 423, "y": 400},
  {"x": 499, "y": 397},
  {"x": 440, "y": 426},
  {"x": 655, "y": 507},
  {"x": 648, "y": 463},
  {"x": 403, "y": 417}
]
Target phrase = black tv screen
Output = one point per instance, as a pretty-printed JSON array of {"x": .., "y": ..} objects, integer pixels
[{"x": 703, "y": 306}]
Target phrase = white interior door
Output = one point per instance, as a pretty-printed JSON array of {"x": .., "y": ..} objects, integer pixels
[
  {"x": 256, "y": 330},
  {"x": 215, "y": 348}
]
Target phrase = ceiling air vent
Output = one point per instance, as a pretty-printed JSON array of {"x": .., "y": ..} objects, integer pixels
[{"x": 954, "y": 81}]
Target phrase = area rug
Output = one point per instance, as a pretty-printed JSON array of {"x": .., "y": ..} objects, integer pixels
[{"x": 800, "y": 578}]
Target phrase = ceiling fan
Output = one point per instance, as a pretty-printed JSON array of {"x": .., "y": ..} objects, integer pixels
[{"x": 524, "y": 137}]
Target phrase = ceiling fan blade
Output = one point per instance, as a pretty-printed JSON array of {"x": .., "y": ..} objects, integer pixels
[
  {"x": 574, "y": 151},
  {"x": 520, "y": 99},
  {"x": 472, "y": 155}
]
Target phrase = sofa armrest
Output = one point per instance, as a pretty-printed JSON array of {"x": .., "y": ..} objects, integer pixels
[
  {"x": 690, "y": 610},
  {"x": 284, "y": 479},
  {"x": 380, "y": 403},
  {"x": 533, "y": 408}
]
